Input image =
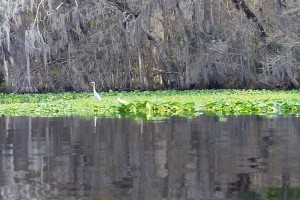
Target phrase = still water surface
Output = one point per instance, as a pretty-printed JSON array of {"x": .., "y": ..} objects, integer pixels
[{"x": 244, "y": 157}]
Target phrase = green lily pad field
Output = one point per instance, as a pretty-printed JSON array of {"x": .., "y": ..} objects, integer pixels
[{"x": 155, "y": 104}]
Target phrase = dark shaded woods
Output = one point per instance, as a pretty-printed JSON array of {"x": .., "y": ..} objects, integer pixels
[{"x": 51, "y": 45}]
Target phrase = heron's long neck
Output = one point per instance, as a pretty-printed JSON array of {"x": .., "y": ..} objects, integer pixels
[{"x": 94, "y": 89}]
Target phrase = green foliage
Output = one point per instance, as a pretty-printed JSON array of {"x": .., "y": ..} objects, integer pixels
[
  {"x": 264, "y": 107},
  {"x": 151, "y": 110},
  {"x": 275, "y": 48},
  {"x": 277, "y": 193},
  {"x": 271, "y": 193},
  {"x": 258, "y": 66},
  {"x": 154, "y": 105},
  {"x": 249, "y": 195}
]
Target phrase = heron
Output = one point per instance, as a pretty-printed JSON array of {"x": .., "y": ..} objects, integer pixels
[
  {"x": 122, "y": 101},
  {"x": 96, "y": 95}
]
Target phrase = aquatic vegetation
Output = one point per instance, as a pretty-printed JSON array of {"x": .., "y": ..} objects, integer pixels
[{"x": 154, "y": 105}]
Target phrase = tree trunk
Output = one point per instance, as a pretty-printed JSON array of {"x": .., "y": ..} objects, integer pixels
[
  {"x": 185, "y": 49},
  {"x": 141, "y": 69},
  {"x": 163, "y": 57},
  {"x": 208, "y": 21}
]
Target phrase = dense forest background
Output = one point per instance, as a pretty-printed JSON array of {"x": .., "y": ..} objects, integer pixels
[{"x": 55, "y": 45}]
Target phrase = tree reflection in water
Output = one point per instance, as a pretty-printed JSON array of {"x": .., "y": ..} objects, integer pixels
[{"x": 244, "y": 157}]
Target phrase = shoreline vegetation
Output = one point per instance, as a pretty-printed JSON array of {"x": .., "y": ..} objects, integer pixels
[{"x": 154, "y": 105}]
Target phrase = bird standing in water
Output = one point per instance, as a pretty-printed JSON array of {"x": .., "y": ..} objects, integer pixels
[{"x": 96, "y": 95}]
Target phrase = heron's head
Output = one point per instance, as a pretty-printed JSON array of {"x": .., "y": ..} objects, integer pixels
[{"x": 93, "y": 83}]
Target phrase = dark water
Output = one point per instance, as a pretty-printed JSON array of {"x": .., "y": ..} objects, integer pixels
[{"x": 245, "y": 157}]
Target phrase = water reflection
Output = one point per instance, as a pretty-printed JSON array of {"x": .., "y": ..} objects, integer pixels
[{"x": 245, "y": 157}]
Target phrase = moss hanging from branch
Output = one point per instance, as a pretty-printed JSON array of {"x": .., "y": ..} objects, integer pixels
[{"x": 240, "y": 4}]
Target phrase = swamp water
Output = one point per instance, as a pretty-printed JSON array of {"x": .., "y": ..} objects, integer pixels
[{"x": 204, "y": 158}]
